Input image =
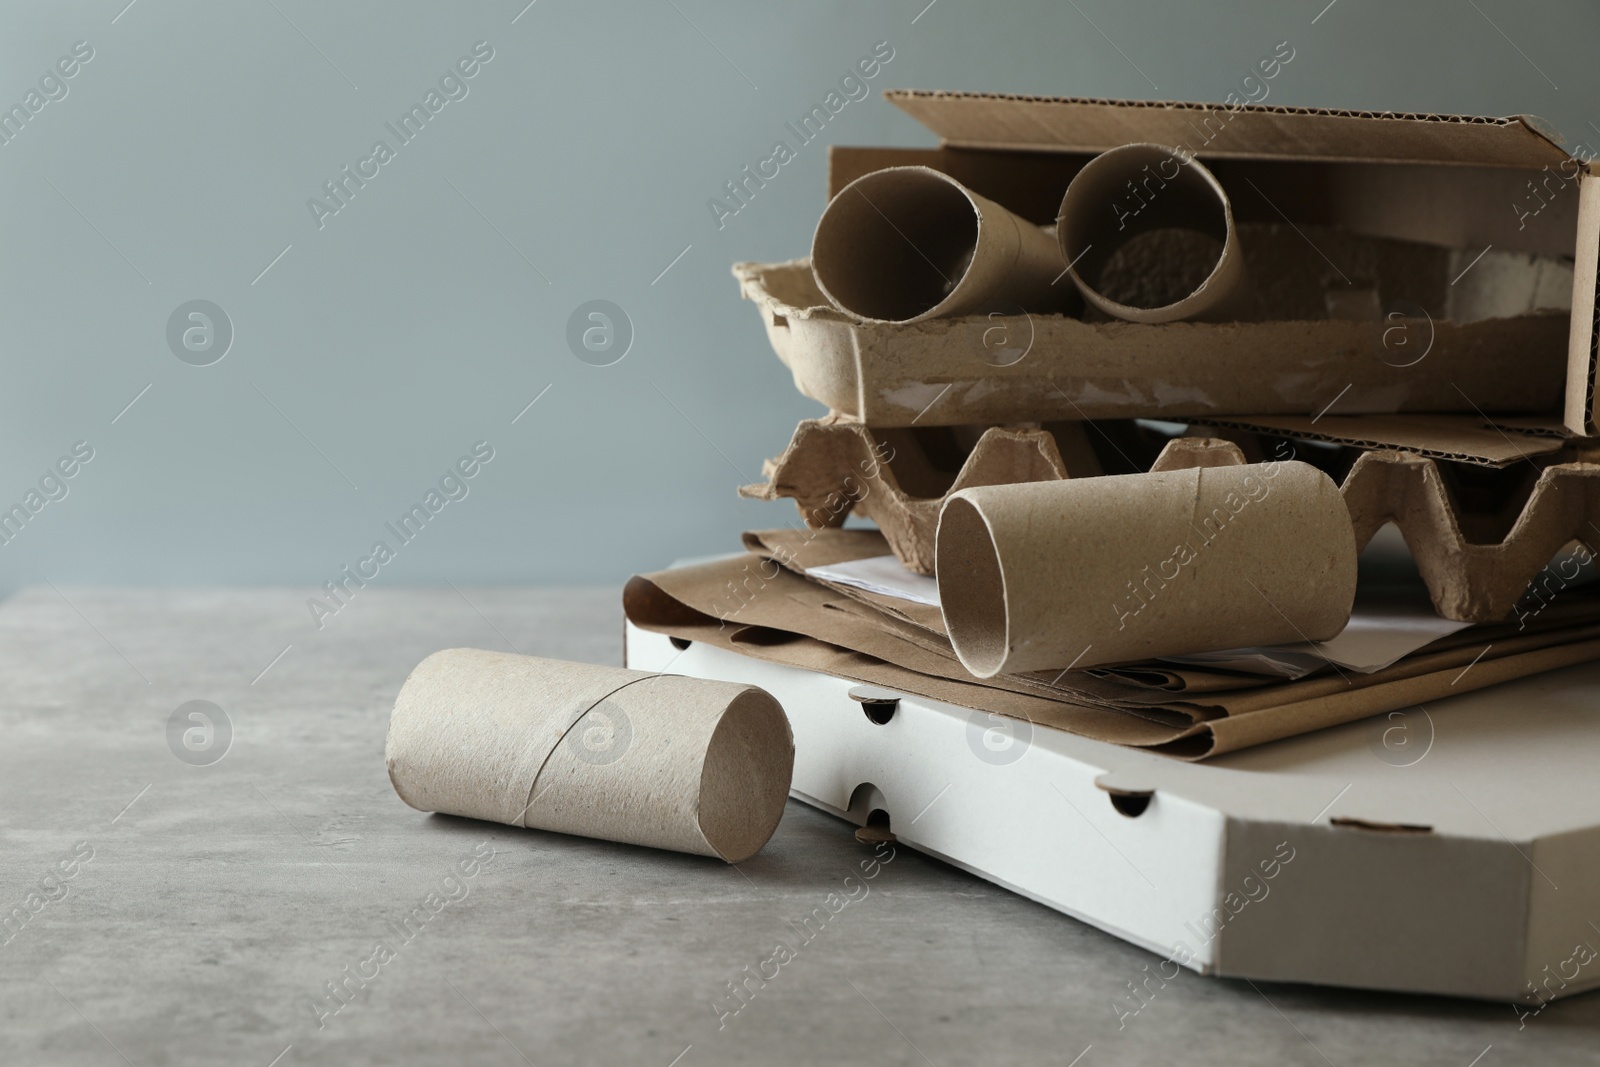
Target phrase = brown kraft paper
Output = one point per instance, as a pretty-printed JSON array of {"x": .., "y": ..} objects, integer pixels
[
  {"x": 1090, "y": 571},
  {"x": 646, "y": 759},
  {"x": 690, "y": 604}
]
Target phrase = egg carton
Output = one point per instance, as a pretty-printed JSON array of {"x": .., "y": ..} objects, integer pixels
[{"x": 1479, "y": 536}]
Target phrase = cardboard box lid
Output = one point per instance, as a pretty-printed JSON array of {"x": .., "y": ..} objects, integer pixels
[{"x": 1260, "y": 131}]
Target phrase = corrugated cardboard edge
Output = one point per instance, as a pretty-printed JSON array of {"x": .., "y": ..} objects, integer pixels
[
  {"x": 1264, "y": 131},
  {"x": 1457, "y": 438},
  {"x": 1530, "y": 426}
]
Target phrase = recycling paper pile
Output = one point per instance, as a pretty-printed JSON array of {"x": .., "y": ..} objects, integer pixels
[
  {"x": 1125, "y": 413},
  {"x": 1135, "y": 397}
]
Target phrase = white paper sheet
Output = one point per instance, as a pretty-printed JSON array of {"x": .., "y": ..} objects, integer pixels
[
  {"x": 883, "y": 575},
  {"x": 1383, "y": 629},
  {"x": 1390, "y": 621}
]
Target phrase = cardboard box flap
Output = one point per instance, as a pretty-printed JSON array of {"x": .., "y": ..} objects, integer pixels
[{"x": 1261, "y": 131}]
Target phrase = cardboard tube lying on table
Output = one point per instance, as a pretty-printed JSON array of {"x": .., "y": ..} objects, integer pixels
[
  {"x": 1088, "y": 571},
  {"x": 647, "y": 759},
  {"x": 1150, "y": 237},
  {"x": 909, "y": 243}
]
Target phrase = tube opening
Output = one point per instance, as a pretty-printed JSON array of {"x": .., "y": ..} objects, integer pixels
[
  {"x": 971, "y": 588},
  {"x": 1147, "y": 230},
  {"x": 894, "y": 244}
]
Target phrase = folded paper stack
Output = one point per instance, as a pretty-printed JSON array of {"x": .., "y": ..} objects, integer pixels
[{"x": 1182, "y": 426}]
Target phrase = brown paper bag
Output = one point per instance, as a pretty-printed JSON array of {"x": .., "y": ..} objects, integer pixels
[{"x": 647, "y": 759}]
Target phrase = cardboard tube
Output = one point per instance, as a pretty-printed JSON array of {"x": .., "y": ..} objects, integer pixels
[
  {"x": 647, "y": 759},
  {"x": 1172, "y": 205},
  {"x": 1088, "y": 571},
  {"x": 909, "y": 243}
]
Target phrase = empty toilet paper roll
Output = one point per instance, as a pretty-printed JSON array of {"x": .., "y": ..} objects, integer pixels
[
  {"x": 648, "y": 759},
  {"x": 909, "y": 243},
  {"x": 1150, "y": 237},
  {"x": 1087, "y": 571}
]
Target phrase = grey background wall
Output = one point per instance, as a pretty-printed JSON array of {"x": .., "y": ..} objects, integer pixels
[{"x": 371, "y": 351}]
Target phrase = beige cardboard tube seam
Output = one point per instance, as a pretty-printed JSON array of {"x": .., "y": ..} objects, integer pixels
[
  {"x": 907, "y": 244},
  {"x": 1089, "y": 571},
  {"x": 1111, "y": 201},
  {"x": 651, "y": 759},
  {"x": 534, "y": 786}
]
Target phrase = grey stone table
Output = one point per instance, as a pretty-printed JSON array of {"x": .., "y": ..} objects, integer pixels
[{"x": 171, "y": 909}]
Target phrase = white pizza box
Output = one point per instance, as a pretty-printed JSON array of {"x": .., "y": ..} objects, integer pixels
[{"x": 1450, "y": 849}]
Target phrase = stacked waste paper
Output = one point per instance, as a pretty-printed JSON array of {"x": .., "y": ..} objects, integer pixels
[{"x": 1178, "y": 433}]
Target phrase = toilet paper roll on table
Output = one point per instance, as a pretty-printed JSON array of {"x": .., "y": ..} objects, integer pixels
[
  {"x": 1088, "y": 571},
  {"x": 662, "y": 760}
]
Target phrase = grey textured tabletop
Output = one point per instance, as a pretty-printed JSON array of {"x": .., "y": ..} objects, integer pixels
[{"x": 210, "y": 906}]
